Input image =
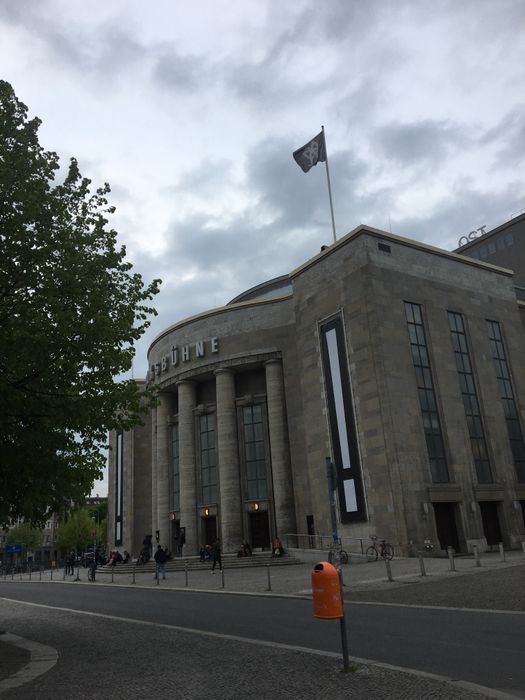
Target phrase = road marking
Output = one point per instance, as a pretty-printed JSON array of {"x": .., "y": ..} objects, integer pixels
[
  {"x": 489, "y": 692},
  {"x": 43, "y": 658},
  {"x": 437, "y": 607}
]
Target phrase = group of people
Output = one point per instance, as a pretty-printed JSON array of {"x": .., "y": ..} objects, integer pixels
[
  {"x": 117, "y": 558},
  {"x": 212, "y": 552}
]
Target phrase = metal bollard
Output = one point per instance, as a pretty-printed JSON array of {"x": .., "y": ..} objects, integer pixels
[
  {"x": 269, "y": 579},
  {"x": 78, "y": 573},
  {"x": 222, "y": 572},
  {"x": 51, "y": 573},
  {"x": 133, "y": 577},
  {"x": 523, "y": 546},
  {"x": 501, "y": 552},
  {"x": 12, "y": 574},
  {"x": 157, "y": 575},
  {"x": 112, "y": 574},
  {"x": 388, "y": 570},
  {"x": 40, "y": 572},
  {"x": 30, "y": 573},
  {"x": 421, "y": 564},
  {"x": 476, "y": 554},
  {"x": 20, "y": 573},
  {"x": 186, "y": 575},
  {"x": 451, "y": 558},
  {"x": 65, "y": 574}
]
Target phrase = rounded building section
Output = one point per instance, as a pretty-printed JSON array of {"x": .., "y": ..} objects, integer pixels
[{"x": 220, "y": 450}]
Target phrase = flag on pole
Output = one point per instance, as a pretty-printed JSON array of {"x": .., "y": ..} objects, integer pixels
[{"x": 311, "y": 153}]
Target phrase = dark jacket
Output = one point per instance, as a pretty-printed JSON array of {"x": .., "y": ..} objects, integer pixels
[{"x": 160, "y": 556}]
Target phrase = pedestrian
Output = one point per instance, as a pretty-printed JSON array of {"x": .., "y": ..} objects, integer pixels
[
  {"x": 160, "y": 559},
  {"x": 71, "y": 563},
  {"x": 216, "y": 554},
  {"x": 181, "y": 541}
]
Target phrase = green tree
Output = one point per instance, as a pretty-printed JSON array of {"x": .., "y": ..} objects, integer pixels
[
  {"x": 71, "y": 312},
  {"x": 76, "y": 532},
  {"x": 24, "y": 533}
]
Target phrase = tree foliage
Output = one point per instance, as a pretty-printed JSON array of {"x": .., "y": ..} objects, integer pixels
[
  {"x": 71, "y": 310},
  {"x": 76, "y": 532},
  {"x": 24, "y": 533}
]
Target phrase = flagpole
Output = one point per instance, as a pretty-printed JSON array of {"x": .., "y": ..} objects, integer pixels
[{"x": 329, "y": 187}]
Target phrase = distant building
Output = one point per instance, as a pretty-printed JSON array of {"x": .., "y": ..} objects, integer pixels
[{"x": 401, "y": 362}]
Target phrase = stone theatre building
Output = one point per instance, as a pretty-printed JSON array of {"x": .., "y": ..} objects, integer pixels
[{"x": 401, "y": 362}]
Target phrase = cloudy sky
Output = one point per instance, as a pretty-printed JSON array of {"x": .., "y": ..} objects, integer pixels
[{"x": 191, "y": 113}]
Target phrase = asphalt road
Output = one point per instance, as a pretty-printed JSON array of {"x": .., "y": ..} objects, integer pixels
[{"x": 481, "y": 647}]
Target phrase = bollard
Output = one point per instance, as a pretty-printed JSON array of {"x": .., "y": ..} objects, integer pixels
[
  {"x": 51, "y": 573},
  {"x": 133, "y": 578},
  {"x": 65, "y": 574},
  {"x": 476, "y": 554},
  {"x": 30, "y": 573},
  {"x": 78, "y": 573},
  {"x": 388, "y": 570},
  {"x": 501, "y": 552},
  {"x": 157, "y": 575},
  {"x": 222, "y": 577},
  {"x": 421, "y": 564},
  {"x": 186, "y": 575},
  {"x": 12, "y": 574},
  {"x": 523, "y": 546},
  {"x": 40, "y": 572},
  {"x": 112, "y": 574},
  {"x": 450, "y": 551},
  {"x": 269, "y": 579}
]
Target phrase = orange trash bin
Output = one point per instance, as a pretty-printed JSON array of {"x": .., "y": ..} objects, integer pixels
[{"x": 326, "y": 592}]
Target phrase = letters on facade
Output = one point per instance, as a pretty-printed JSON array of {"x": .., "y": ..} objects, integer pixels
[{"x": 183, "y": 353}]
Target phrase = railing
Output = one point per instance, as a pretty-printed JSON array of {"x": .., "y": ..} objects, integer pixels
[{"x": 352, "y": 545}]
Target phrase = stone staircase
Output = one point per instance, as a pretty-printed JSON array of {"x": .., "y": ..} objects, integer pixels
[{"x": 229, "y": 561}]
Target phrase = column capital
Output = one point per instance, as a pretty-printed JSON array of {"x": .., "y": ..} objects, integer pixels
[
  {"x": 273, "y": 361},
  {"x": 223, "y": 370},
  {"x": 185, "y": 382}
]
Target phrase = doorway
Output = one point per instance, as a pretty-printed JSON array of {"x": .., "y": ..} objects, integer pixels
[
  {"x": 490, "y": 520},
  {"x": 260, "y": 530},
  {"x": 446, "y": 526},
  {"x": 209, "y": 529}
]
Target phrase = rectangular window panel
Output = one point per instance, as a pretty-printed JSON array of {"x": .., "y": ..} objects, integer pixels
[
  {"x": 502, "y": 369},
  {"x": 470, "y": 398},
  {"x": 207, "y": 458},
  {"x": 254, "y": 452},
  {"x": 426, "y": 393}
]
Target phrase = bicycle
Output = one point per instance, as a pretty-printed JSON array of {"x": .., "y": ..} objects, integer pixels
[
  {"x": 337, "y": 555},
  {"x": 381, "y": 549}
]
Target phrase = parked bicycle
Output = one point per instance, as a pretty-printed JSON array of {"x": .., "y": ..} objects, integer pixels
[
  {"x": 337, "y": 555},
  {"x": 379, "y": 548}
]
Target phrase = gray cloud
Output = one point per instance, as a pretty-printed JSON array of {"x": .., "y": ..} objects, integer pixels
[{"x": 424, "y": 141}]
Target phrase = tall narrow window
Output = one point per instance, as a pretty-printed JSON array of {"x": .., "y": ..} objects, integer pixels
[
  {"x": 175, "y": 475},
  {"x": 254, "y": 451},
  {"x": 470, "y": 398},
  {"x": 506, "y": 393},
  {"x": 208, "y": 461},
  {"x": 427, "y": 395}
]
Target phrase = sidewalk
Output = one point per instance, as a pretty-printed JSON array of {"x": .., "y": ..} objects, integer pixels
[{"x": 495, "y": 584}]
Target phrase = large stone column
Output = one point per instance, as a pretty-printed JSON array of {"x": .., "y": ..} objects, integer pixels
[
  {"x": 228, "y": 461},
  {"x": 188, "y": 492},
  {"x": 279, "y": 449},
  {"x": 163, "y": 518}
]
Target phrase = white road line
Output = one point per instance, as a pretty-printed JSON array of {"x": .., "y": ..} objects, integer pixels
[
  {"x": 43, "y": 658},
  {"x": 489, "y": 692}
]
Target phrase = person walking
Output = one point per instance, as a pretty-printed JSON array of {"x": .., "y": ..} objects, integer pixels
[
  {"x": 216, "y": 554},
  {"x": 160, "y": 559}
]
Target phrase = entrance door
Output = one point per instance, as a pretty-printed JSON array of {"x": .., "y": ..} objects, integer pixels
[
  {"x": 490, "y": 520},
  {"x": 209, "y": 529},
  {"x": 447, "y": 530},
  {"x": 260, "y": 530}
]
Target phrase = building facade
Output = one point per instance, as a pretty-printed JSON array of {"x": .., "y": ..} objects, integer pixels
[{"x": 400, "y": 362}]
